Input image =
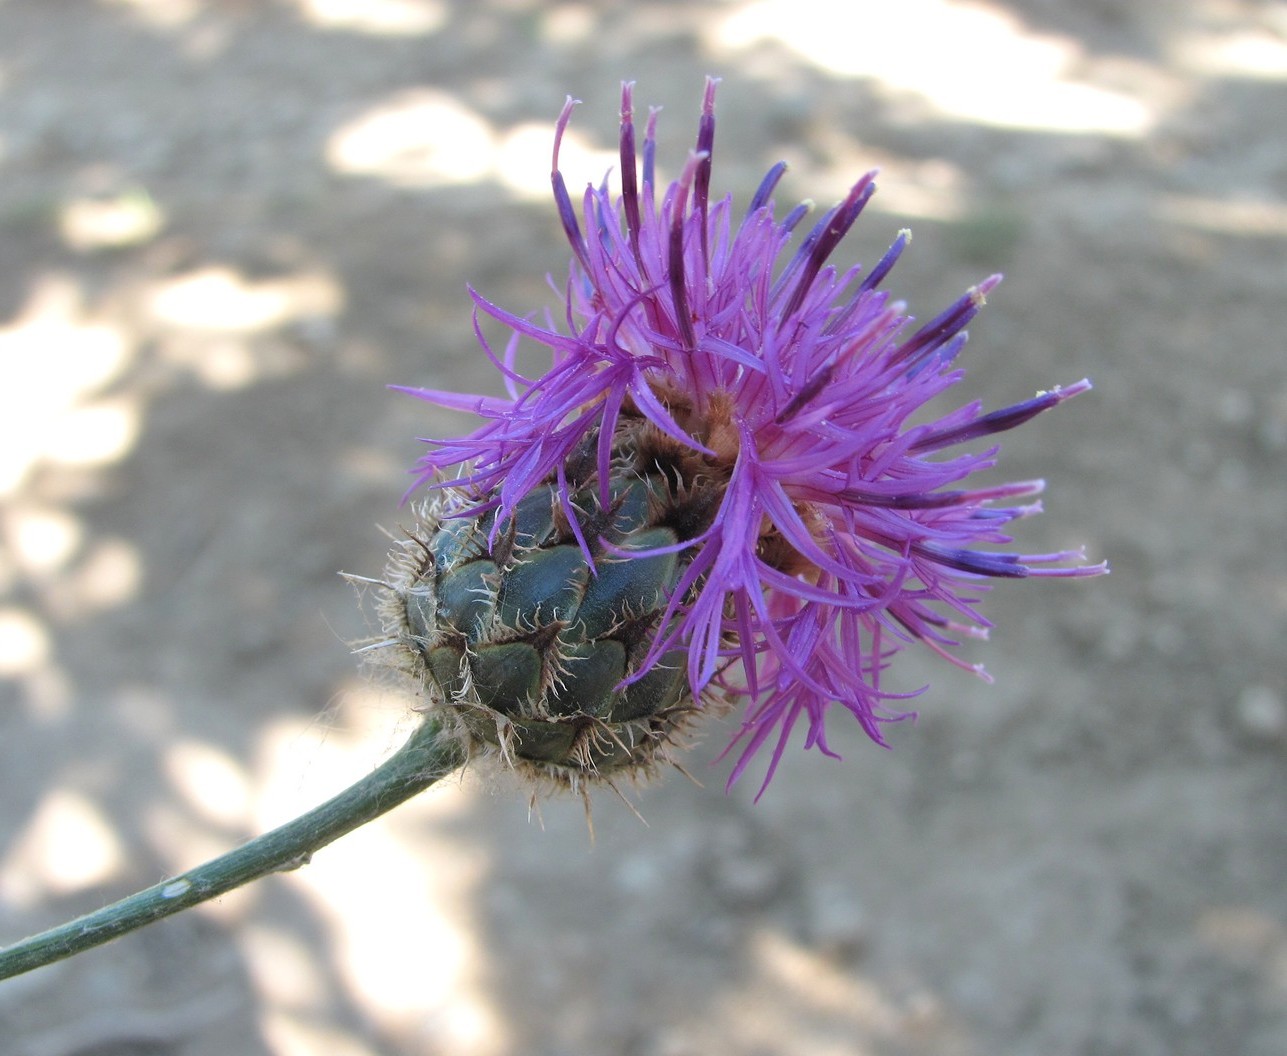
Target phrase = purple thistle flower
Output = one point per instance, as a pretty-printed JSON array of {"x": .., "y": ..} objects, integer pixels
[{"x": 838, "y": 537}]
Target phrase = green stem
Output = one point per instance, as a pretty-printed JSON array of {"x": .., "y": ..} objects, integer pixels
[{"x": 428, "y": 754}]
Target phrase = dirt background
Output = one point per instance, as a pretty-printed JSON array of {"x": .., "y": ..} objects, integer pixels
[{"x": 225, "y": 225}]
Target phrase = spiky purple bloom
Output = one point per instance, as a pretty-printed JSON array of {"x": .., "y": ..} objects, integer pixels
[{"x": 838, "y": 538}]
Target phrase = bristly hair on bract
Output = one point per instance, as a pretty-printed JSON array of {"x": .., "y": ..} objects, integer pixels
[{"x": 836, "y": 529}]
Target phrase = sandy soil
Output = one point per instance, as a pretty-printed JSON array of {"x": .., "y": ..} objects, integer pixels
[{"x": 225, "y": 225}]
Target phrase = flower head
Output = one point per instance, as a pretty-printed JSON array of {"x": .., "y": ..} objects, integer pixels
[{"x": 787, "y": 388}]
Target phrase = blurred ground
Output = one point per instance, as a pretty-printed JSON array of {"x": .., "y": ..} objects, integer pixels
[{"x": 225, "y": 225}]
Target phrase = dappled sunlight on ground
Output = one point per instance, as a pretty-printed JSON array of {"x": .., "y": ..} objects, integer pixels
[
  {"x": 428, "y": 139},
  {"x": 56, "y": 364},
  {"x": 379, "y": 17},
  {"x": 1255, "y": 52},
  {"x": 226, "y": 225},
  {"x": 210, "y": 782},
  {"x": 218, "y": 299},
  {"x": 394, "y": 896},
  {"x": 129, "y": 218},
  {"x": 68, "y": 846},
  {"x": 980, "y": 64}
]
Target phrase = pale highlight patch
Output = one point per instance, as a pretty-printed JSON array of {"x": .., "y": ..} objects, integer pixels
[
  {"x": 55, "y": 361},
  {"x": 128, "y": 219},
  {"x": 25, "y": 646},
  {"x": 67, "y": 846},
  {"x": 380, "y": 18},
  {"x": 981, "y": 64},
  {"x": 218, "y": 299},
  {"x": 431, "y": 138},
  {"x": 210, "y": 781}
]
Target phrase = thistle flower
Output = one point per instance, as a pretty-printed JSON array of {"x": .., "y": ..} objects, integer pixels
[{"x": 725, "y": 459}]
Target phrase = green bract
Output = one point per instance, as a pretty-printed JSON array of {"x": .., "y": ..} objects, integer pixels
[{"x": 533, "y": 650}]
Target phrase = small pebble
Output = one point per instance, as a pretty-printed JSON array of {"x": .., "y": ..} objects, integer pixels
[
  {"x": 1262, "y": 715},
  {"x": 741, "y": 871},
  {"x": 837, "y": 923}
]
